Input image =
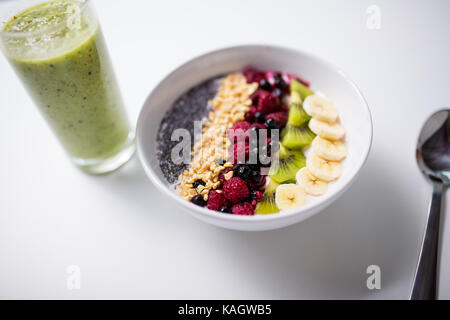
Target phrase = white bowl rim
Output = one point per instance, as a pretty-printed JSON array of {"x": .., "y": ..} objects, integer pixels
[{"x": 257, "y": 217}]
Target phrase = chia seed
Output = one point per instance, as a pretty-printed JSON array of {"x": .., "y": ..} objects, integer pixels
[{"x": 191, "y": 106}]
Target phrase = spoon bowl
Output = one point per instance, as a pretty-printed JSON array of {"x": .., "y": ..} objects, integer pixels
[
  {"x": 433, "y": 147},
  {"x": 433, "y": 158}
]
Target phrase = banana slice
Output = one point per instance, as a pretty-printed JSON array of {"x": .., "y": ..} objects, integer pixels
[
  {"x": 323, "y": 169},
  {"x": 328, "y": 149},
  {"x": 288, "y": 196},
  {"x": 332, "y": 131},
  {"x": 320, "y": 108},
  {"x": 310, "y": 183}
]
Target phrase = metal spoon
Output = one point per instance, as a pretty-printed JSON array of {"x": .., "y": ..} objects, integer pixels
[{"x": 433, "y": 157}]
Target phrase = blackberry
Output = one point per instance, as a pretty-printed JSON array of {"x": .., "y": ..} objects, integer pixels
[
  {"x": 279, "y": 82},
  {"x": 278, "y": 93},
  {"x": 256, "y": 177},
  {"x": 198, "y": 200},
  {"x": 265, "y": 85},
  {"x": 271, "y": 123},
  {"x": 198, "y": 183},
  {"x": 225, "y": 209},
  {"x": 259, "y": 117},
  {"x": 243, "y": 172}
]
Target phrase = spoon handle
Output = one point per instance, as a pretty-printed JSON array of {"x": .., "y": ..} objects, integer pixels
[{"x": 425, "y": 281}]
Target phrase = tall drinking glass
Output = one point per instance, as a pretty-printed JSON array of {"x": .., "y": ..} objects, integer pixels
[{"x": 58, "y": 51}]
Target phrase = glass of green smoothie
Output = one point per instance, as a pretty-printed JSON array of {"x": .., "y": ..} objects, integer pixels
[{"x": 58, "y": 51}]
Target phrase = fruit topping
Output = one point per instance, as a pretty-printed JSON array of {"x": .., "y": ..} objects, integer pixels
[
  {"x": 260, "y": 117},
  {"x": 272, "y": 124},
  {"x": 250, "y": 115},
  {"x": 256, "y": 195},
  {"x": 253, "y": 75},
  {"x": 289, "y": 196},
  {"x": 244, "y": 208},
  {"x": 225, "y": 209},
  {"x": 268, "y": 103},
  {"x": 215, "y": 200},
  {"x": 256, "y": 186},
  {"x": 332, "y": 131},
  {"x": 235, "y": 190},
  {"x": 324, "y": 169},
  {"x": 239, "y": 152},
  {"x": 277, "y": 93},
  {"x": 320, "y": 108},
  {"x": 198, "y": 182},
  {"x": 303, "y": 90},
  {"x": 222, "y": 175},
  {"x": 281, "y": 117},
  {"x": 256, "y": 177},
  {"x": 267, "y": 204},
  {"x": 296, "y": 137},
  {"x": 243, "y": 171},
  {"x": 238, "y": 131},
  {"x": 286, "y": 166},
  {"x": 328, "y": 149},
  {"x": 265, "y": 85},
  {"x": 310, "y": 183},
  {"x": 279, "y": 82},
  {"x": 198, "y": 200}
]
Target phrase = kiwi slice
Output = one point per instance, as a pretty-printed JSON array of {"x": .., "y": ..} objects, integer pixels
[
  {"x": 288, "y": 163},
  {"x": 297, "y": 137},
  {"x": 267, "y": 204},
  {"x": 297, "y": 116},
  {"x": 297, "y": 86}
]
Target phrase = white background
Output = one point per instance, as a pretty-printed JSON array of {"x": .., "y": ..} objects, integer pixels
[{"x": 131, "y": 242}]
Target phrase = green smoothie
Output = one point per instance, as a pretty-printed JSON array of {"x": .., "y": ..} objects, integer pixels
[{"x": 64, "y": 64}]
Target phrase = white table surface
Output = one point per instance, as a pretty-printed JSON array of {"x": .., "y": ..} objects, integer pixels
[{"x": 131, "y": 242}]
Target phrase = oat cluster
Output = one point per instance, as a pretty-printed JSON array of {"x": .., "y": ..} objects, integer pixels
[{"x": 230, "y": 105}]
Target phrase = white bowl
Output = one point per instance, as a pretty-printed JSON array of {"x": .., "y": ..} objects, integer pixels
[{"x": 324, "y": 77}]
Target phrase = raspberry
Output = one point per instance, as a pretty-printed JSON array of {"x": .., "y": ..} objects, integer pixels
[
  {"x": 281, "y": 117},
  {"x": 250, "y": 115},
  {"x": 238, "y": 131},
  {"x": 221, "y": 175},
  {"x": 244, "y": 125},
  {"x": 259, "y": 196},
  {"x": 268, "y": 103},
  {"x": 239, "y": 152},
  {"x": 258, "y": 125},
  {"x": 270, "y": 76},
  {"x": 244, "y": 208},
  {"x": 235, "y": 190},
  {"x": 215, "y": 200},
  {"x": 253, "y": 75},
  {"x": 255, "y": 97}
]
